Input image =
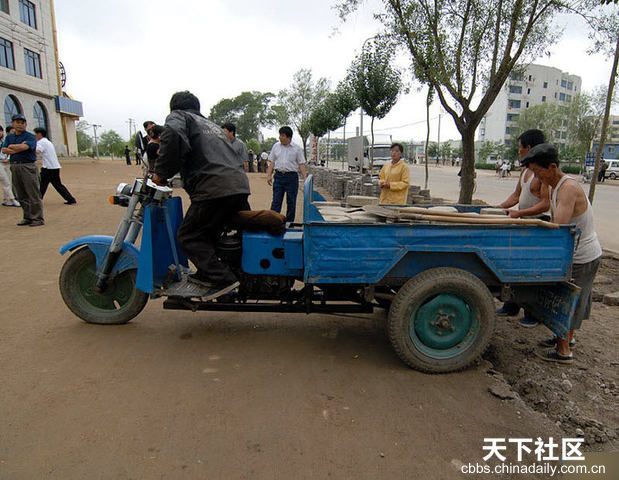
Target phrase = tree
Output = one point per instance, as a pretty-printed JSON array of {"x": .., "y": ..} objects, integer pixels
[
  {"x": 433, "y": 150},
  {"x": 486, "y": 149},
  {"x": 458, "y": 46},
  {"x": 299, "y": 100},
  {"x": 344, "y": 101},
  {"x": 547, "y": 117},
  {"x": 446, "y": 151},
  {"x": 111, "y": 143},
  {"x": 267, "y": 145},
  {"x": 429, "y": 100},
  {"x": 325, "y": 118},
  {"x": 84, "y": 141},
  {"x": 605, "y": 34},
  {"x": 376, "y": 83},
  {"x": 249, "y": 111},
  {"x": 253, "y": 145}
]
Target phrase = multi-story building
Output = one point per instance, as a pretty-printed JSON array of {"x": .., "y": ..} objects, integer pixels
[
  {"x": 538, "y": 84},
  {"x": 611, "y": 145},
  {"x": 31, "y": 80}
]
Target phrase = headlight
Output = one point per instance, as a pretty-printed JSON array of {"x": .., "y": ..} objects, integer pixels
[{"x": 124, "y": 189}]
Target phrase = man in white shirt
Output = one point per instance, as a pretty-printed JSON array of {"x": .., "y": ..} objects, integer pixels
[
  {"x": 50, "y": 170},
  {"x": 287, "y": 160}
]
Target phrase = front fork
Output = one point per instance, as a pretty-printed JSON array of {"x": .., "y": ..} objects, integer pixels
[{"x": 128, "y": 230}]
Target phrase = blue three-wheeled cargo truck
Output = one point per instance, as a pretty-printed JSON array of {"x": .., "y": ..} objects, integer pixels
[{"x": 438, "y": 281}]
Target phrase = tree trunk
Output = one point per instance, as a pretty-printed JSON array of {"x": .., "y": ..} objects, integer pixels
[
  {"x": 372, "y": 147},
  {"x": 467, "y": 171},
  {"x": 345, "y": 149},
  {"x": 609, "y": 97},
  {"x": 428, "y": 103},
  {"x": 304, "y": 140}
]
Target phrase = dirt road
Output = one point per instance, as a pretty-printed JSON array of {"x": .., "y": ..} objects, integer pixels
[{"x": 215, "y": 395}]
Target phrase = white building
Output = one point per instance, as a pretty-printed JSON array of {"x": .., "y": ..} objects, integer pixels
[
  {"x": 31, "y": 81},
  {"x": 537, "y": 85}
]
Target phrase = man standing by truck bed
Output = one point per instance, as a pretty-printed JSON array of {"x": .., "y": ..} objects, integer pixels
[
  {"x": 569, "y": 204},
  {"x": 213, "y": 177}
]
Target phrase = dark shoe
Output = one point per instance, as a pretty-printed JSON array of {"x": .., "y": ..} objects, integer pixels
[
  {"x": 507, "y": 312},
  {"x": 528, "y": 322},
  {"x": 200, "y": 279},
  {"x": 24, "y": 222},
  {"x": 552, "y": 342},
  {"x": 38, "y": 223},
  {"x": 71, "y": 202},
  {"x": 554, "y": 356}
]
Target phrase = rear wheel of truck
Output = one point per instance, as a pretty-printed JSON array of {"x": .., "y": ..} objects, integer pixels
[
  {"x": 119, "y": 304},
  {"x": 441, "y": 320}
]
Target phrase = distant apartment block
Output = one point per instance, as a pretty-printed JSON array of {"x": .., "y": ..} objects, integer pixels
[
  {"x": 31, "y": 81},
  {"x": 537, "y": 85}
]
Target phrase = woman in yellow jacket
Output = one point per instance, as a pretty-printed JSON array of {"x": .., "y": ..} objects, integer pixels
[{"x": 393, "y": 178}]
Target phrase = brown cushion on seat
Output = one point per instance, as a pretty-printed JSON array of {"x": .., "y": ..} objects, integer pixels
[{"x": 260, "y": 220}]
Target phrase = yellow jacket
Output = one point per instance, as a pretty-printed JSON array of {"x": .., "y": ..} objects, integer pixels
[{"x": 397, "y": 176}]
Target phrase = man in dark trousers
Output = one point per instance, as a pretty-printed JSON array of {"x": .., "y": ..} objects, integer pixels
[
  {"x": 50, "y": 170},
  {"x": 21, "y": 146},
  {"x": 215, "y": 181},
  {"x": 127, "y": 155}
]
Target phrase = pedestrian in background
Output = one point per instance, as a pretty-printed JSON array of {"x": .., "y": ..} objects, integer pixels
[
  {"x": 50, "y": 169},
  {"x": 237, "y": 145},
  {"x": 394, "y": 178},
  {"x": 286, "y": 161},
  {"x": 5, "y": 176},
  {"x": 21, "y": 146},
  {"x": 127, "y": 155},
  {"x": 152, "y": 149}
]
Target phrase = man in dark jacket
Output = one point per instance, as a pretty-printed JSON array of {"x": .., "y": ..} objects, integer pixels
[{"x": 215, "y": 181}]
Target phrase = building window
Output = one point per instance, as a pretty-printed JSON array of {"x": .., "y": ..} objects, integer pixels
[
  {"x": 555, "y": 95},
  {"x": 518, "y": 76},
  {"x": 563, "y": 83},
  {"x": 11, "y": 107},
  {"x": 7, "y": 60},
  {"x": 562, "y": 97},
  {"x": 568, "y": 98},
  {"x": 527, "y": 104},
  {"x": 530, "y": 78},
  {"x": 33, "y": 63},
  {"x": 4, "y": 6},
  {"x": 514, "y": 104},
  {"x": 40, "y": 117},
  {"x": 544, "y": 98},
  {"x": 513, "y": 117},
  {"x": 545, "y": 84},
  {"x": 27, "y": 13},
  {"x": 528, "y": 91},
  {"x": 515, "y": 89},
  {"x": 570, "y": 85}
]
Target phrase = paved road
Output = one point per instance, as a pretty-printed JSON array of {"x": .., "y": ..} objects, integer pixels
[
  {"x": 214, "y": 395},
  {"x": 444, "y": 182}
]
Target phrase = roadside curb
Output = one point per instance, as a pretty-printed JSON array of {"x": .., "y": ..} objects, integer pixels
[{"x": 614, "y": 254}]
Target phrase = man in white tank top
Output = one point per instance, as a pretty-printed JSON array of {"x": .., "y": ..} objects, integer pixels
[
  {"x": 533, "y": 199},
  {"x": 569, "y": 205}
]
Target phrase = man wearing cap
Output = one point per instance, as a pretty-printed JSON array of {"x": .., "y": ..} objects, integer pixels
[
  {"x": 532, "y": 198},
  {"x": 21, "y": 146},
  {"x": 569, "y": 205}
]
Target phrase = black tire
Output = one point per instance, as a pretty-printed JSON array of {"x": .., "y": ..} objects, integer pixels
[
  {"x": 425, "y": 288},
  {"x": 613, "y": 176},
  {"x": 121, "y": 302}
]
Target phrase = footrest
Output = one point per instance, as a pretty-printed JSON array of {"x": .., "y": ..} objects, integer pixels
[{"x": 186, "y": 289}]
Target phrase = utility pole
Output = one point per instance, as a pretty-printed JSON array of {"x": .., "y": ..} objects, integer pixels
[
  {"x": 438, "y": 150},
  {"x": 94, "y": 127},
  {"x": 131, "y": 123}
]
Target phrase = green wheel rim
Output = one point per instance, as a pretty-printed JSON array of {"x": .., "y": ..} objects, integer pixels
[
  {"x": 116, "y": 298},
  {"x": 444, "y": 326}
]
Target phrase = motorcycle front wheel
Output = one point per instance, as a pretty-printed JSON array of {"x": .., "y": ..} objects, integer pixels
[{"x": 120, "y": 303}]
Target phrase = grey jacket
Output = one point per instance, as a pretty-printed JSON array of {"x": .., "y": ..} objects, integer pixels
[{"x": 200, "y": 151}]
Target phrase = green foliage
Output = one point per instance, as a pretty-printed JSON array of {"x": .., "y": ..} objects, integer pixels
[
  {"x": 299, "y": 100},
  {"x": 248, "y": 111},
  {"x": 84, "y": 141},
  {"x": 253, "y": 145},
  {"x": 572, "y": 169},
  {"x": 485, "y": 166},
  {"x": 374, "y": 80},
  {"x": 268, "y": 143},
  {"x": 433, "y": 150},
  {"x": 343, "y": 100},
  {"x": 111, "y": 144},
  {"x": 548, "y": 117},
  {"x": 325, "y": 117}
]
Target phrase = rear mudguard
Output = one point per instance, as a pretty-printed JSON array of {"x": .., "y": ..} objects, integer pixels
[{"x": 99, "y": 246}]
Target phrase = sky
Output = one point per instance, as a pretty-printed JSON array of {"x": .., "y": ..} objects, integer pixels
[{"x": 124, "y": 59}]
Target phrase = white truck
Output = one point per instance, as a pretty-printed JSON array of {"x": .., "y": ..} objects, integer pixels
[{"x": 359, "y": 154}]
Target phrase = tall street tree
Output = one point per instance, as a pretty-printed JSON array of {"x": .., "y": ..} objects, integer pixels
[
  {"x": 325, "y": 118},
  {"x": 344, "y": 101},
  {"x": 299, "y": 100},
  {"x": 249, "y": 111},
  {"x": 605, "y": 33},
  {"x": 474, "y": 45},
  {"x": 375, "y": 81}
]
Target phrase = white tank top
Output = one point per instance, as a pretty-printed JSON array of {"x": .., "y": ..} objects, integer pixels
[
  {"x": 588, "y": 247},
  {"x": 527, "y": 198}
]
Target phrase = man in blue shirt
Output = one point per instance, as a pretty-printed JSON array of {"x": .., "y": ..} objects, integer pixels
[{"x": 21, "y": 146}]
